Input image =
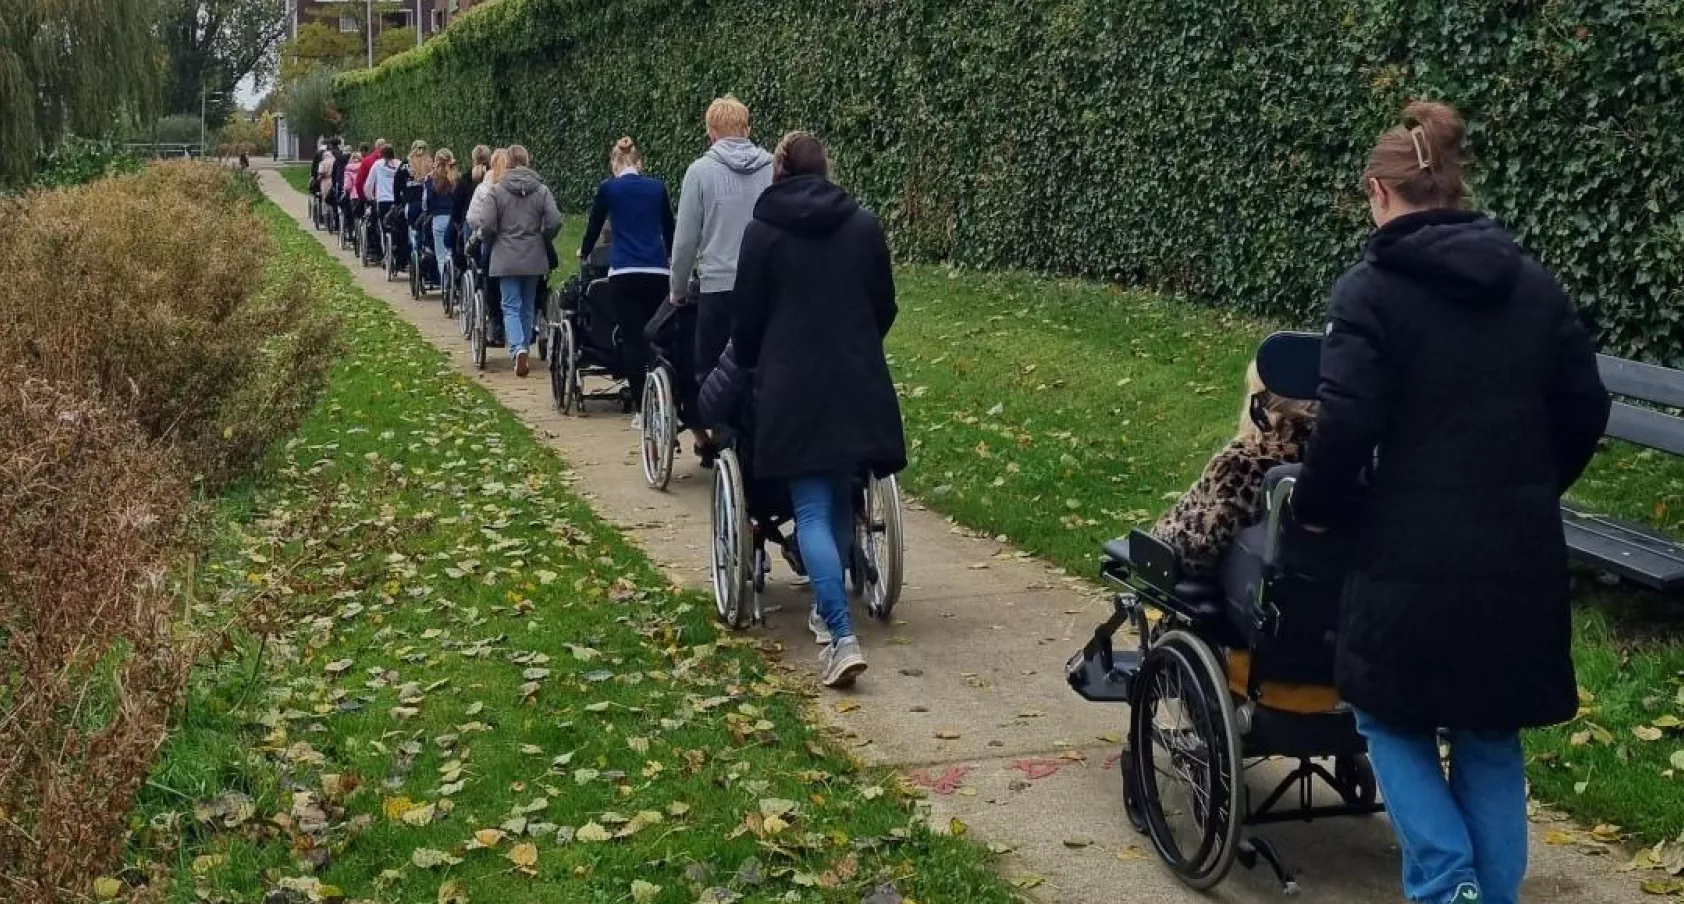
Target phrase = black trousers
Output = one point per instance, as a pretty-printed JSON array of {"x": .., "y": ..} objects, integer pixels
[
  {"x": 713, "y": 330},
  {"x": 636, "y": 298}
]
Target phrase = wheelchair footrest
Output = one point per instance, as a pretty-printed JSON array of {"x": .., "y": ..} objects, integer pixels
[{"x": 1091, "y": 680}]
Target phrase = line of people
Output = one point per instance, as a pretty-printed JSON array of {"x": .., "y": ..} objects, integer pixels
[{"x": 796, "y": 294}]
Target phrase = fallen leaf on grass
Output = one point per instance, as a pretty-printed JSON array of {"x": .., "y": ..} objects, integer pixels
[
  {"x": 486, "y": 838},
  {"x": 644, "y": 892},
  {"x": 525, "y": 858},
  {"x": 1027, "y": 881},
  {"x": 1647, "y": 733},
  {"x": 452, "y": 891},
  {"x": 428, "y": 858},
  {"x": 590, "y": 832}
]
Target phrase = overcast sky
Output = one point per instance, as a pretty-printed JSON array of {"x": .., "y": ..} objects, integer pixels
[{"x": 246, "y": 93}]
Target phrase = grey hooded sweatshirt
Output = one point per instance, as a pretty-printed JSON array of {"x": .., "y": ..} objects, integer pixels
[
  {"x": 714, "y": 206},
  {"x": 519, "y": 219}
]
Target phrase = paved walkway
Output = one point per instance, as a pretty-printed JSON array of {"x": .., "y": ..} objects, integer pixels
[{"x": 968, "y": 684}]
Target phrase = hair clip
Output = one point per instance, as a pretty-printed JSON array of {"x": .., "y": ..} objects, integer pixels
[{"x": 1418, "y": 138}]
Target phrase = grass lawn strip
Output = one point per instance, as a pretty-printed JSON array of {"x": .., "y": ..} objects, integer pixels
[{"x": 487, "y": 694}]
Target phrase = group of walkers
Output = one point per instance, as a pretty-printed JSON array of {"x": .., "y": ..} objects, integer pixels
[
  {"x": 1459, "y": 399},
  {"x": 796, "y": 295}
]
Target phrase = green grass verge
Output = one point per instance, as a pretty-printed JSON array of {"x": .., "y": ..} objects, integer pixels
[
  {"x": 296, "y": 174},
  {"x": 468, "y": 653}
]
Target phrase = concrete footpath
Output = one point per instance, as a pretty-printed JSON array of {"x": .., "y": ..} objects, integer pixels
[{"x": 966, "y": 691}]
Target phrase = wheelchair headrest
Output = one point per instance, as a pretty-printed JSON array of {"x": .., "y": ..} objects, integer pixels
[{"x": 1289, "y": 364}]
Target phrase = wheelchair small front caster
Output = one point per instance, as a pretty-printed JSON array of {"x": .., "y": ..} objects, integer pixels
[{"x": 1253, "y": 850}]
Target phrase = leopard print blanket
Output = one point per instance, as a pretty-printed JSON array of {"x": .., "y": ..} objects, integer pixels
[{"x": 1228, "y": 496}]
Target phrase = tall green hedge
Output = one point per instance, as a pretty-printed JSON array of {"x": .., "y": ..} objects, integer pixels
[{"x": 1209, "y": 148}]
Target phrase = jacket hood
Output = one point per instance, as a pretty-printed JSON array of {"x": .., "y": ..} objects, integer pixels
[
  {"x": 1465, "y": 256},
  {"x": 521, "y": 181},
  {"x": 740, "y": 155},
  {"x": 805, "y": 206}
]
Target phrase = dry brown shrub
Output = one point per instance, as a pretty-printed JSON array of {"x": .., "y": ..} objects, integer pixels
[
  {"x": 147, "y": 290},
  {"x": 89, "y": 669}
]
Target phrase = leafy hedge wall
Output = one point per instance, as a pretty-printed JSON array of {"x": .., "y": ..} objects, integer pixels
[{"x": 1210, "y": 148}]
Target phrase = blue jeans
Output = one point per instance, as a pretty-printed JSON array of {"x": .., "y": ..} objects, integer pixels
[
  {"x": 824, "y": 529},
  {"x": 1469, "y": 829},
  {"x": 520, "y": 297},
  {"x": 441, "y": 242}
]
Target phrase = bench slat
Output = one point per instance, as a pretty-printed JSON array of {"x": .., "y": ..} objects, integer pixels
[
  {"x": 1628, "y": 550},
  {"x": 1647, "y": 427},
  {"x": 1636, "y": 380}
]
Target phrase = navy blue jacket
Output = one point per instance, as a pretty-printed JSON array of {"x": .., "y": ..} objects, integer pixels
[
  {"x": 643, "y": 223},
  {"x": 438, "y": 204},
  {"x": 720, "y": 401}
]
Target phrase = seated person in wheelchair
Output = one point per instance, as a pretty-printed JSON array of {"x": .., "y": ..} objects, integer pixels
[{"x": 1230, "y": 495}]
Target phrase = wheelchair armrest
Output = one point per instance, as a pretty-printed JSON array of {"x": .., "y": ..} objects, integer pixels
[{"x": 1278, "y": 484}]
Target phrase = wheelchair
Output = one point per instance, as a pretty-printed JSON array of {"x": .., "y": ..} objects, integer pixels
[
  {"x": 669, "y": 390},
  {"x": 749, "y": 515},
  {"x": 314, "y": 204},
  {"x": 477, "y": 300},
  {"x": 1229, "y": 672},
  {"x": 349, "y": 215},
  {"x": 424, "y": 273},
  {"x": 584, "y": 338}
]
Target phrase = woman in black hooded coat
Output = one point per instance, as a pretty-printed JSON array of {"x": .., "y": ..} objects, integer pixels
[
  {"x": 1459, "y": 399},
  {"x": 815, "y": 295}
]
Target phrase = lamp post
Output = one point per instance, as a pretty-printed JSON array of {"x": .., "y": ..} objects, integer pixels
[
  {"x": 369, "y": 29},
  {"x": 204, "y": 101},
  {"x": 417, "y": 23}
]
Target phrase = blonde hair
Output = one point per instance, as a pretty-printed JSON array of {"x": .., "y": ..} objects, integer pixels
[
  {"x": 417, "y": 145},
  {"x": 499, "y": 165},
  {"x": 444, "y": 171},
  {"x": 419, "y": 163},
  {"x": 519, "y": 155},
  {"x": 1279, "y": 411},
  {"x": 728, "y": 118},
  {"x": 624, "y": 154},
  {"x": 482, "y": 155}
]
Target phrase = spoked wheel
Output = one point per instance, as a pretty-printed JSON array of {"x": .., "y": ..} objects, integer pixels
[
  {"x": 447, "y": 287},
  {"x": 541, "y": 335},
  {"x": 660, "y": 428},
  {"x": 564, "y": 367},
  {"x": 476, "y": 332},
  {"x": 390, "y": 256},
  {"x": 882, "y": 545},
  {"x": 1185, "y": 752},
  {"x": 733, "y": 547},
  {"x": 414, "y": 276},
  {"x": 467, "y": 300}
]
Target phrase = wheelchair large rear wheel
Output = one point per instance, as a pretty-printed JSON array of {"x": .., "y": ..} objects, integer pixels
[
  {"x": 883, "y": 545},
  {"x": 660, "y": 428},
  {"x": 414, "y": 276},
  {"x": 477, "y": 331},
  {"x": 467, "y": 299},
  {"x": 564, "y": 367},
  {"x": 733, "y": 543},
  {"x": 448, "y": 285},
  {"x": 389, "y": 256},
  {"x": 1184, "y": 747}
]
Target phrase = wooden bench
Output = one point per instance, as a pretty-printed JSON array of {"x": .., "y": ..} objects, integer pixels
[{"x": 1636, "y": 553}]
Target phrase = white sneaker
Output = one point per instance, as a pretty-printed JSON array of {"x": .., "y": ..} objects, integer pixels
[
  {"x": 841, "y": 663},
  {"x": 815, "y": 624}
]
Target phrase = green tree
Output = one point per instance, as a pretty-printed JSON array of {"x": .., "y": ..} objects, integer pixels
[
  {"x": 210, "y": 45},
  {"x": 318, "y": 45},
  {"x": 68, "y": 67},
  {"x": 390, "y": 42},
  {"x": 308, "y": 103}
]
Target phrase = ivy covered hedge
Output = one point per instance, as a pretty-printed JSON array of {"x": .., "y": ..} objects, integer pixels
[{"x": 1212, "y": 149}]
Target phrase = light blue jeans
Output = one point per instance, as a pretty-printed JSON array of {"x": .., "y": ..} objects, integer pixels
[
  {"x": 1468, "y": 829},
  {"x": 824, "y": 529},
  {"x": 520, "y": 298},
  {"x": 441, "y": 242}
]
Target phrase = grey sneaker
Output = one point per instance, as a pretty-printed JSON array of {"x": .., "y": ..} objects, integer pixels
[
  {"x": 815, "y": 624},
  {"x": 841, "y": 663},
  {"x": 1466, "y": 893}
]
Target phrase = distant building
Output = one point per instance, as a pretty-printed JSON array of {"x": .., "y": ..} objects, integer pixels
[{"x": 348, "y": 15}]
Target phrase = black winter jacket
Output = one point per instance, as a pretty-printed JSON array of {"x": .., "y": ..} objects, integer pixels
[
  {"x": 815, "y": 296},
  {"x": 719, "y": 402},
  {"x": 1459, "y": 400}
]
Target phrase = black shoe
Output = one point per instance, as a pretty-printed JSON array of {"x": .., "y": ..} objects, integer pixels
[{"x": 708, "y": 453}]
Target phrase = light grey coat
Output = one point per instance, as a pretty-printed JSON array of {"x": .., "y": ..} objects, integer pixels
[
  {"x": 519, "y": 219},
  {"x": 714, "y": 206}
]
